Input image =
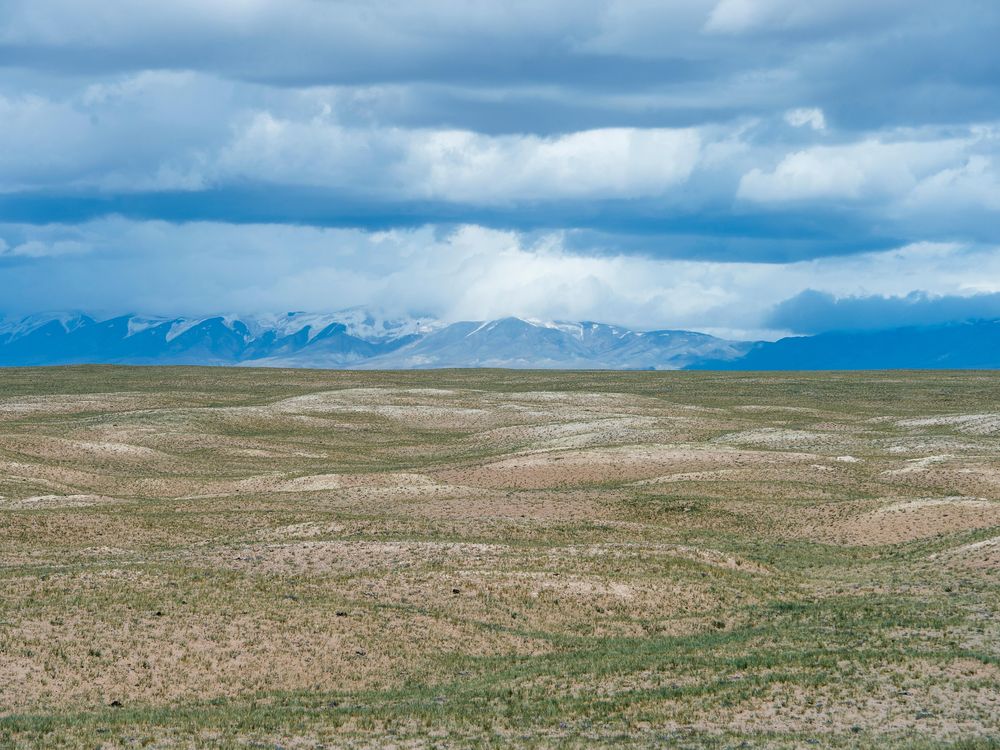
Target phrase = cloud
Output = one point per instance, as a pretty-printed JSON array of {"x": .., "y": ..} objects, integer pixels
[
  {"x": 693, "y": 51},
  {"x": 39, "y": 249},
  {"x": 746, "y": 16},
  {"x": 619, "y": 163},
  {"x": 160, "y": 134},
  {"x": 686, "y": 163},
  {"x": 811, "y": 116},
  {"x": 857, "y": 171},
  {"x": 464, "y": 272},
  {"x": 460, "y": 166},
  {"x": 811, "y": 311},
  {"x": 954, "y": 189},
  {"x": 146, "y": 132},
  {"x": 89, "y": 141},
  {"x": 467, "y": 272},
  {"x": 294, "y": 41}
]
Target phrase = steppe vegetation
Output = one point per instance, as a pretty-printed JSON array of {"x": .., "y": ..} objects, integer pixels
[{"x": 196, "y": 557}]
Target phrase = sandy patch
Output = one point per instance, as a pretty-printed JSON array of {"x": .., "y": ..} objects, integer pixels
[
  {"x": 85, "y": 451},
  {"x": 930, "y": 502},
  {"x": 775, "y": 438},
  {"x": 983, "y": 555},
  {"x": 479, "y": 505},
  {"x": 57, "y": 501},
  {"x": 352, "y": 556},
  {"x": 692, "y": 476},
  {"x": 396, "y": 404},
  {"x": 972, "y": 424},
  {"x": 311, "y": 483},
  {"x": 302, "y": 530},
  {"x": 574, "y": 434},
  {"x": 919, "y": 464},
  {"x": 906, "y": 520},
  {"x": 554, "y": 469},
  {"x": 30, "y": 406},
  {"x": 702, "y": 555}
]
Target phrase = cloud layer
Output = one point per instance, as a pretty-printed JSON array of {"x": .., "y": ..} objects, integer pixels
[
  {"x": 625, "y": 159},
  {"x": 471, "y": 272}
]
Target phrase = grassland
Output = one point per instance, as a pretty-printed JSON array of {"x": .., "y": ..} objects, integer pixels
[{"x": 303, "y": 559}]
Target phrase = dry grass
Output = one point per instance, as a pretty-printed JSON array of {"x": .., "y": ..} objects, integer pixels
[{"x": 239, "y": 558}]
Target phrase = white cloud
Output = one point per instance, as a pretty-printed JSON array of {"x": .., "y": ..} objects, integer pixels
[
  {"x": 149, "y": 131},
  {"x": 156, "y": 131},
  {"x": 744, "y": 16},
  {"x": 469, "y": 273},
  {"x": 976, "y": 183},
  {"x": 811, "y": 116},
  {"x": 868, "y": 169},
  {"x": 313, "y": 152},
  {"x": 176, "y": 131},
  {"x": 43, "y": 249},
  {"x": 735, "y": 16},
  {"x": 616, "y": 162},
  {"x": 461, "y": 166}
]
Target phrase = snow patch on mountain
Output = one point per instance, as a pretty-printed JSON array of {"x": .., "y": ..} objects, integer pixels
[
  {"x": 67, "y": 321},
  {"x": 138, "y": 324},
  {"x": 180, "y": 326},
  {"x": 356, "y": 337}
]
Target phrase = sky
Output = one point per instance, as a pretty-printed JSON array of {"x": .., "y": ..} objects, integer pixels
[{"x": 751, "y": 168}]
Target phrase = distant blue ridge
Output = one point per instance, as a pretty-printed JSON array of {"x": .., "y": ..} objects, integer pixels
[
  {"x": 969, "y": 345},
  {"x": 324, "y": 341}
]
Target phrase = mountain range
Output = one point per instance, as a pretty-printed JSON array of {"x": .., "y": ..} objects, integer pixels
[
  {"x": 971, "y": 345},
  {"x": 360, "y": 339},
  {"x": 351, "y": 338}
]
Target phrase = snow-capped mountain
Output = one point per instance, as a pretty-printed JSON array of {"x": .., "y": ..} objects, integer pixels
[
  {"x": 513, "y": 342},
  {"x": 360, "y": 339},
  {"x": 355, "y": 338}
]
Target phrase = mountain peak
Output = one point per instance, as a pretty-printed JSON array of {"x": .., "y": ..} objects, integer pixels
[
  {"x": 359, "y": 338},
  {"x": 356, "y": 337}
]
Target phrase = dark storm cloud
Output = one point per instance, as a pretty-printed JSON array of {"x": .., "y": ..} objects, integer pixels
[{"x": 850, "y": 57}]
